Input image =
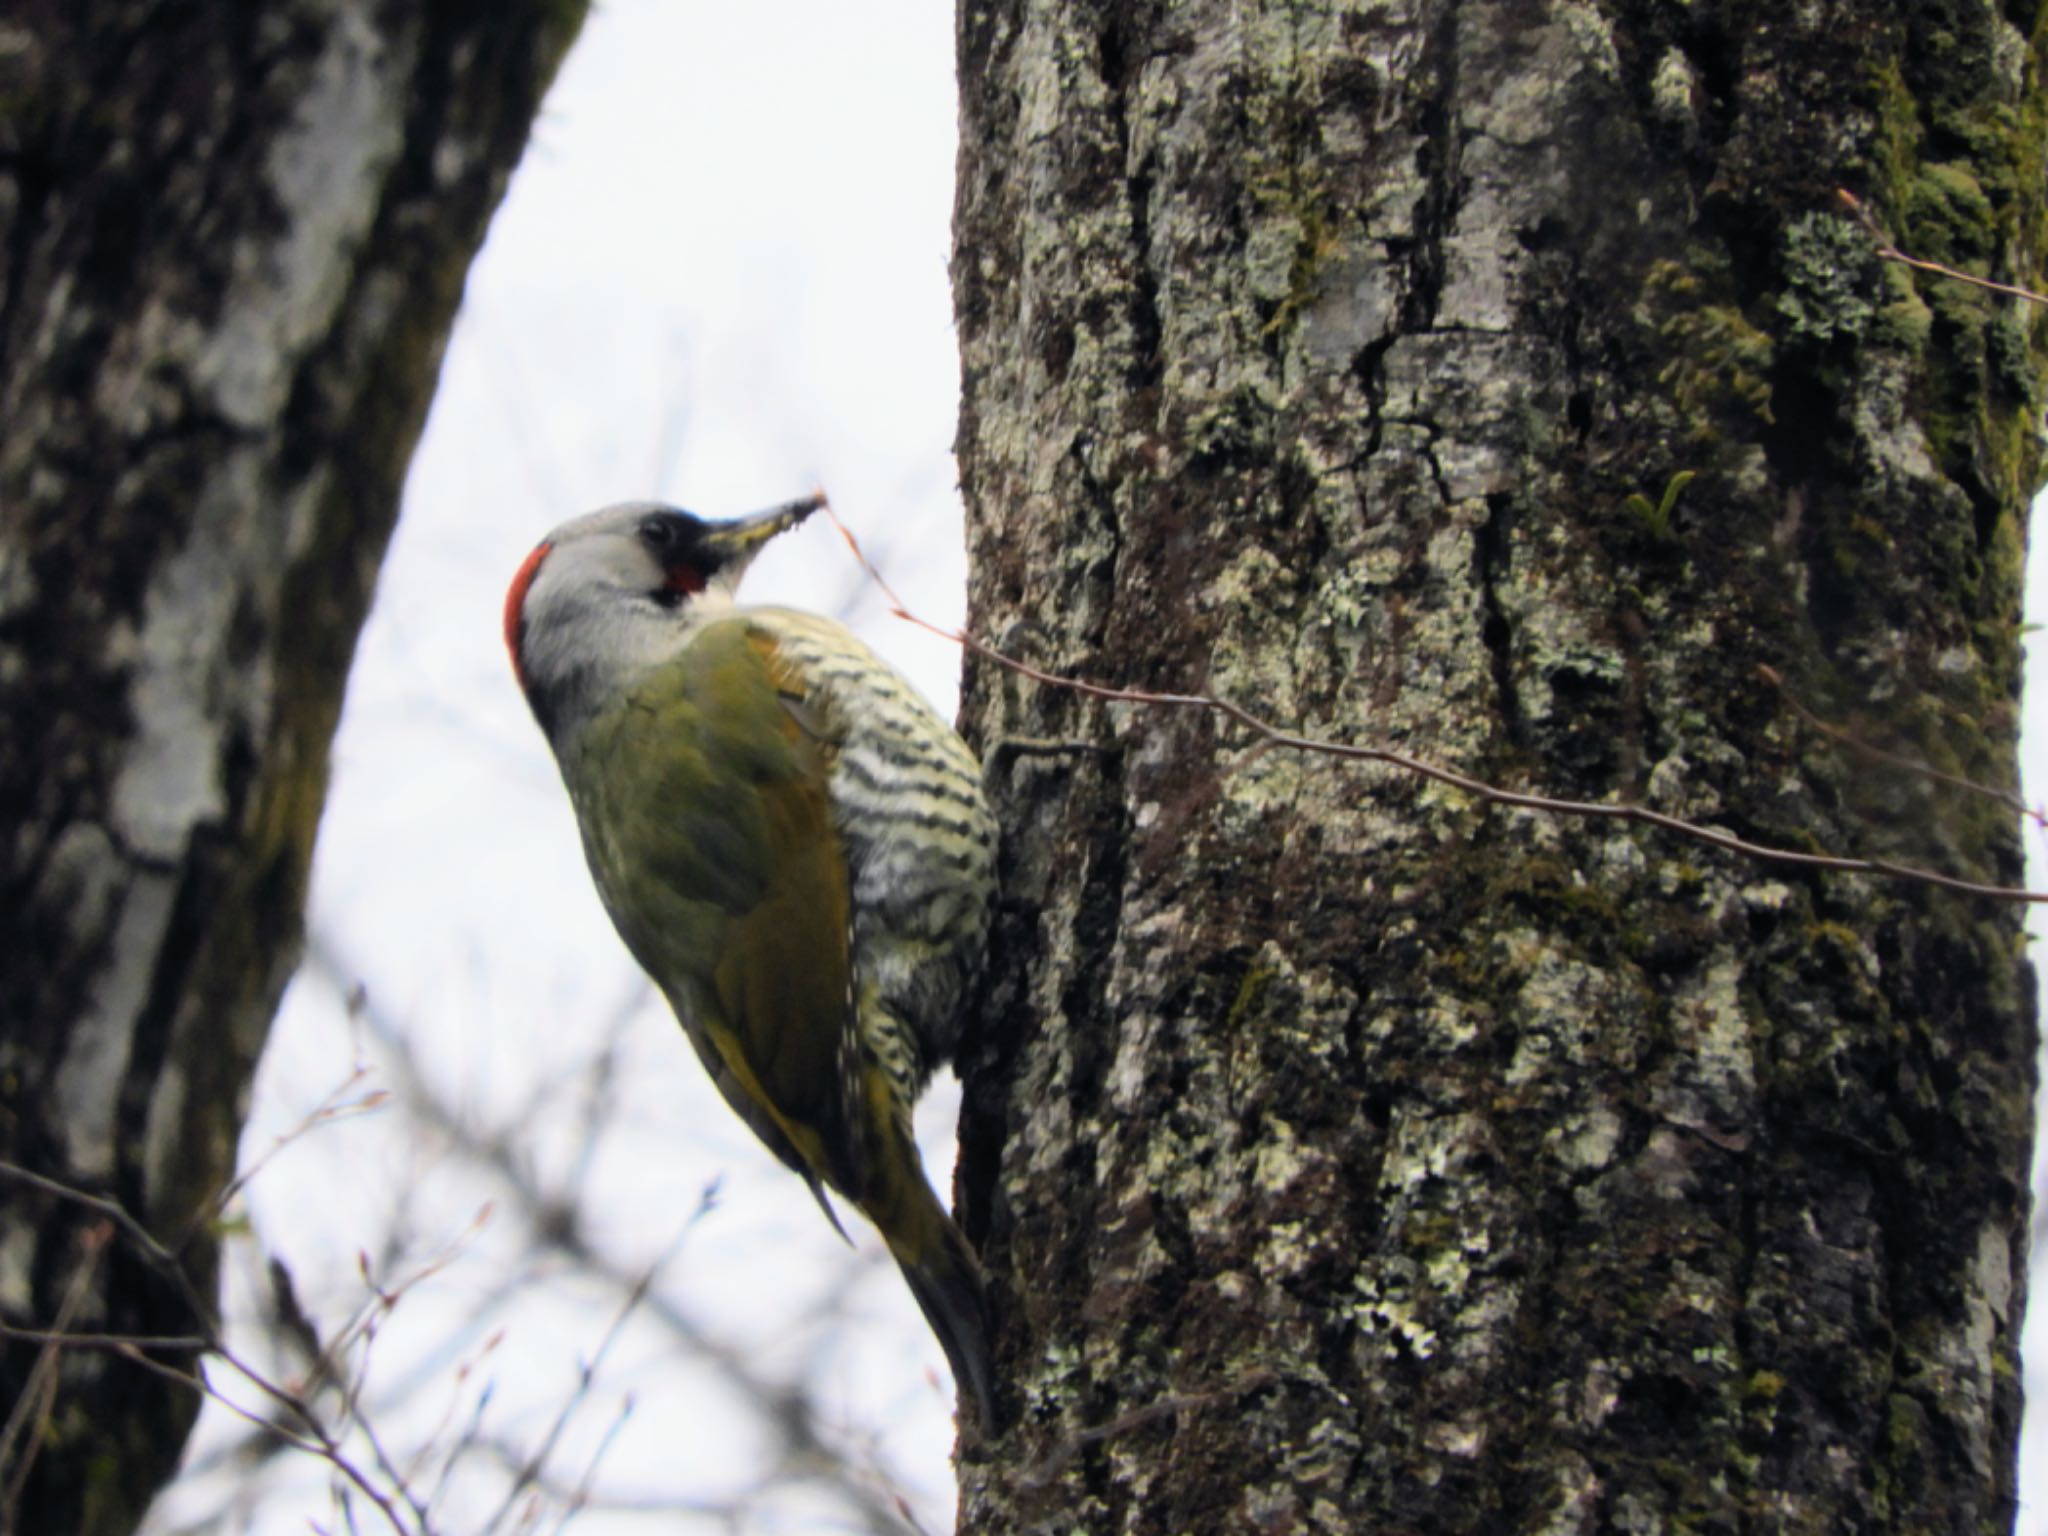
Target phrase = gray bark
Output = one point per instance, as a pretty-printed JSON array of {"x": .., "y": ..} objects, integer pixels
[
  {"x": 1348, "y": 1155},
  {"x": 232, "y": 239}
]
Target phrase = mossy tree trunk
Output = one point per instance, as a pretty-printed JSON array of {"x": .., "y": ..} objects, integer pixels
[
  {"x": 232, "y": 239},
  {"x": 1348, "y": 1155}
]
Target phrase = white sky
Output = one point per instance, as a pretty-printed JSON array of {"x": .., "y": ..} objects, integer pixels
[{"x": 719, "y": 278}]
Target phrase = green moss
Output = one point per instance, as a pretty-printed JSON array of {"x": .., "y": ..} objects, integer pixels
[
  {"x": 1964, "y": 210},
  {"x": 2005, "y": 563},
  {"x": 1430, "y": 1232},
  {"x": 1234, "y": 428},
  {"x": 1905, "y": 1432},
  {"x": 1839, "y": 936},
  {"x": 1950, "y": 217},
  {"x": 1896, "y": 142},
  {"x": 1656, "y": 518},
  {"x": 110, "y": 1497},
  {"x": 1251, "y": 994},
  {"x": 2009, "y": 349},
  {"x": 1721, "y": 360},
  {"x": 1904, "y": 322},
  {"x": 1552, "y": 882},
  {"x": 1301, "y": 201},
  {"x": 1765, "y": 1386},
  {"x": 1862, "y": 536}
]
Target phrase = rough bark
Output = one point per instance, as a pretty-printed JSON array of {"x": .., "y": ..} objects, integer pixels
[
  {"x": 1348, "y": 1155},
  {"x": 232, "y": 239}
]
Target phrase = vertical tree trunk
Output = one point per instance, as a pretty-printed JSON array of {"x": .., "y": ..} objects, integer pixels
[
  {"x": 231, "y": 242},
  {"x": 1351, "y": 1155}
]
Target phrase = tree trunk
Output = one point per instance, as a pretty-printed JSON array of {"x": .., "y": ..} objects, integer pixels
[
  {"x": 1347, "y": 1153},
  {"x": 232, "y": 239}
]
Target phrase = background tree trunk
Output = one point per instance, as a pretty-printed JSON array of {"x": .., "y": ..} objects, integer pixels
[
  {"x": 232, "y": 239},
  {"x": 1348, "y": 1155}
]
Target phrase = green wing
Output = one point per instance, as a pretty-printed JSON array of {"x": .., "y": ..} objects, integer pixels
[{"x": 704, "y": 813}]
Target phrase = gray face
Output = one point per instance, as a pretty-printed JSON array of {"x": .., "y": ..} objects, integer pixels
[
  {"x": 617, "y": 591},
  {"x": 609, "y": 595}
]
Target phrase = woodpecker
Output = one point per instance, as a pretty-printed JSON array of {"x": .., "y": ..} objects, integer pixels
[{"x": 791, "y": 842}]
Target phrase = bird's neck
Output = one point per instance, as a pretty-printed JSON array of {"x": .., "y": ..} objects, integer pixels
[{"x": 578, "y": 658}]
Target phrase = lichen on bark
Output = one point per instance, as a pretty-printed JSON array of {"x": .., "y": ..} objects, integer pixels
[{"x": 1348, "y": 1155}]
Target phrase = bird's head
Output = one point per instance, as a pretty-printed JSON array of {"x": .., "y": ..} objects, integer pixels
[{"x": 616, "y": 590}]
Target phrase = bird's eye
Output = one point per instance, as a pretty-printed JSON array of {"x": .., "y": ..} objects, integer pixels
[{"x": 687, "y": 562}]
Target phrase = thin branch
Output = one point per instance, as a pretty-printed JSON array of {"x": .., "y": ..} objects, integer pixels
[
  {"x": 320, "y": 1444},
  {"x": 316, "y": 1439},
  {"x": 472, "y": 1432},
  {"x": 1896, "y": 760},
  {"x": 327, "y": 1111},
  {"x": 193, "y": 1382},
  {"x": 385, "y": 1464},
  {"x": 329, "y": 1448},
  {"x": 1480, "y": 789},
  {"x": 57, "y": 1333},
  {"x": 39, "y": 1394},
  {"x": 727, "y": 1511},
  {"x": 586, "y": 1375},
  {"x": 159, "y": 1257},
  {"x": 1886, "y": 251},
  {"x": 788, "y": 1408},
  {"x": 579, "y": 1497},
  {"x": 1166, "y": 1406}
]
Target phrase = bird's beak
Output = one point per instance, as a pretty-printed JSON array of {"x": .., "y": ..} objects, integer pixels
[{"x": 742, "y": 538}]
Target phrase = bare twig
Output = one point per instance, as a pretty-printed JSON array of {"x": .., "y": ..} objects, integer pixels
[
  {"x": 385, "y": 1464},
  {"x": 1888, "y": 252},
  {"x": 805, "y": 1450},
  {"x": 472, "y": 1432},
  {"x": 1480, "y": 789},
  {"x": 1896, "y": 760},
  {"x": 586, "y": 1374},
  {"x": 139, "y": 1237},
  {"x": 330, "y": 1449},
  {"x": 318, "y": 1441},
  {"x": 314, "y": 1438},
  {"x": 578, "y": 1497},
  {"x": 336, "y": 1106},
  {"x": 58, "y": 1334},
  {"x": 28, "y": 1422},
  {"x": 1164, "y": 1406}
]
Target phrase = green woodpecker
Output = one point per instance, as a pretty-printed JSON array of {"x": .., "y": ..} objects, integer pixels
[{"x": 792, "y": 843}]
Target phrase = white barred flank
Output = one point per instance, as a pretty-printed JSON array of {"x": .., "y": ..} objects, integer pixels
[{"x": 920, "y": 845}]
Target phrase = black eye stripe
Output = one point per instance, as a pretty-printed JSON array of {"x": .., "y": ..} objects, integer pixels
[
  {"x": 677, "y": 538},
  {"x": 663, "y": 532}
]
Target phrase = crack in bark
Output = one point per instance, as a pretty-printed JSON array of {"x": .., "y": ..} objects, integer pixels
[
  {"x": 1147, "y": 328},
  {"x": 1369, "y": 367},
  {"x": 1491, "y": 570},
  {"x": 1441, "y": 154}
]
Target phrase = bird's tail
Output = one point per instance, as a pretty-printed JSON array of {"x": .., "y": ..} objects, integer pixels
[
  {"x": 946, "y": 1280},
  {"x": 937, "y": 1263}
]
